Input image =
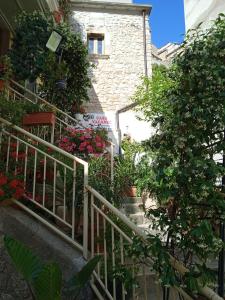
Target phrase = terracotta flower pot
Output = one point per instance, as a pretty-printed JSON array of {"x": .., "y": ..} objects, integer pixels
[{"x": 131, "y": 191}]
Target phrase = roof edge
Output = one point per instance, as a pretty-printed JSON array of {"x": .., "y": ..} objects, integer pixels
[{"x": 111, "y": 5}]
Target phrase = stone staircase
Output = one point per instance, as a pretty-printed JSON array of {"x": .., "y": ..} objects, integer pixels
[{"x": 133, "y": 208}]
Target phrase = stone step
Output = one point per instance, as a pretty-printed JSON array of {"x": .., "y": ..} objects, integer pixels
[
  {"x": 132, "y": 200},
  {"x": 138, "y": 218},
  {"x": 133, "y": 208}
]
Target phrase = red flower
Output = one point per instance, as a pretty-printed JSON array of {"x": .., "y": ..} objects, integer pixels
[
  {"x": 3, "y": 179},
  {"x": 19, "y": 193},
  {"x": 13, "y": 145},
  {"x": 50, "y": 150},
  {"x": 2, "y": 193},
  {"x": 19, "y": 155},
  {"x": 14, "y": 183}
]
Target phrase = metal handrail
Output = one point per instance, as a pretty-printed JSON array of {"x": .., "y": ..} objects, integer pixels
[
  {"x": 59, "y": 120},
  {"x": 53, "y": 107},
  {"x": 177, "y": 265},
  {"x": 43, "y": 142}
]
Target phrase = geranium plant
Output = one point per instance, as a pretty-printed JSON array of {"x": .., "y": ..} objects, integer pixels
[
  {"x": 84, "y": 141},
  {"x": 11, "y": 186}
]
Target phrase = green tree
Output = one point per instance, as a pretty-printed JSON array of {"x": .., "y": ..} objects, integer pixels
[{"x": 188, "y": 112}]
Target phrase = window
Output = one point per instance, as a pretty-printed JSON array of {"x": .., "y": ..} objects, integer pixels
[{"x": 96, "y": 44}]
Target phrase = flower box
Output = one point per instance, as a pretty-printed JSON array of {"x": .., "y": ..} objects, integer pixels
[{"x": 39, "y": 118}]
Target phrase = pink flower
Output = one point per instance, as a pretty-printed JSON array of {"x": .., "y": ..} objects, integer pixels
[
  {"x": 65, "y": 140},
  {"x": 87, "y": 136},
  {"x": 90, "y": 149},
  {"x": 98, "y": 144},
  {"x": 98, "y": 139},
  {"x": 82, "y": 138}
]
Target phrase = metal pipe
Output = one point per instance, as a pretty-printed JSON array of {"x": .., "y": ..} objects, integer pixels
[
  {"x": 144, "y": 44},
  {"x": 222, "y": 236}
]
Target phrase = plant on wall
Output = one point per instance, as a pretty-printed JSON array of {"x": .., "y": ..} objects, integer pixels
[
  {"x": 74, "y": 57},
  {"x": 31, "y": 60},
  {"x": 28, "y": 52},
  {"x": 184, "y": 176}
]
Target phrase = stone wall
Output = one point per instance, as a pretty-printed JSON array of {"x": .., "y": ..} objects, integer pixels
[{"x": 116, "y": 73}]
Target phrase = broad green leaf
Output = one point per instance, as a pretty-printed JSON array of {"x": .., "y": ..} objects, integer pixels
[
  {"x": 48, "y": 284},
  {"x": 24, "y": 260},
  {"x": 78, "y": 281}
]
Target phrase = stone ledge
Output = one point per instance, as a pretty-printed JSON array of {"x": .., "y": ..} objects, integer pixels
[{"x": 98, "y": 56}]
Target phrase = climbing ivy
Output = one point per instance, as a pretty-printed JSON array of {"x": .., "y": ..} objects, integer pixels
[
  {"x": 31, "y": 59},
  {"x": 186, "y": 169}
]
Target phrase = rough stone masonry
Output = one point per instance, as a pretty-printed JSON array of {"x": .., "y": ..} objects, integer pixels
[{"x": 118, "y": 70}]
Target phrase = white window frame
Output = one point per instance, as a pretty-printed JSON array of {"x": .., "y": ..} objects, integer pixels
[{"x": 95, "y": 37}]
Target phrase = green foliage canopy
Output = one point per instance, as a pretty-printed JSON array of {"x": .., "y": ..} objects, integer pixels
[{"x": 188, "y": 111}]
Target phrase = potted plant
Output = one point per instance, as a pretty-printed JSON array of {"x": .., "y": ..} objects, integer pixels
[{"x": 126, "y": 169}]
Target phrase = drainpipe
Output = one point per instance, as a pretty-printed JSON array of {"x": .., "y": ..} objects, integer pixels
[{"x": 144, "y": 43}]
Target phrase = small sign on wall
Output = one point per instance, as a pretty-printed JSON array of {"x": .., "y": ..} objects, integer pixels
[{"x": 95, "y": 120}]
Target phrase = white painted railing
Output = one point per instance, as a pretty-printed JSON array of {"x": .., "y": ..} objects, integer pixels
[
  {"x": 54, "y": 182},
  {"x": 111, "y": 233},
  {"x": 16, "y": 92}
]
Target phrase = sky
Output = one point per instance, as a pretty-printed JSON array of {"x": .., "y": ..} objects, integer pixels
[{"x": 166, "y": 21}]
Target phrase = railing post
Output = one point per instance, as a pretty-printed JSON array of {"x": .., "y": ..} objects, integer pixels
[
  {"x": 112, "y": 161},
  {"x": 85, "y": 212}
]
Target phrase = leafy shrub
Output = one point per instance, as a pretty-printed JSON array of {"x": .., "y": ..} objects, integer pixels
[
  {"x": 20, "y": 108},
  {"x": 184, "y": 177},
  {"x": 31, "y": 59}
]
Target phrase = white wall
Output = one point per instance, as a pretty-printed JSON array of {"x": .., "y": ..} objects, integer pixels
[
  {"x": 137, "y": 129},
  {"x": 197, "y": 11}
]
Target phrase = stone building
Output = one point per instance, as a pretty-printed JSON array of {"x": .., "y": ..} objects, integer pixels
[
  {"x": 118, "y": 38},
  {"x": 165, "y": 54},
  {"x": 197, "y": 11}
]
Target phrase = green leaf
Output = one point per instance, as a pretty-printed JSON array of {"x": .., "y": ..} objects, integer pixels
[
  {"x": 48, "y": 284},
  {"x": 78, "y": 281},
  {"x": 24, "y": 260}
]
